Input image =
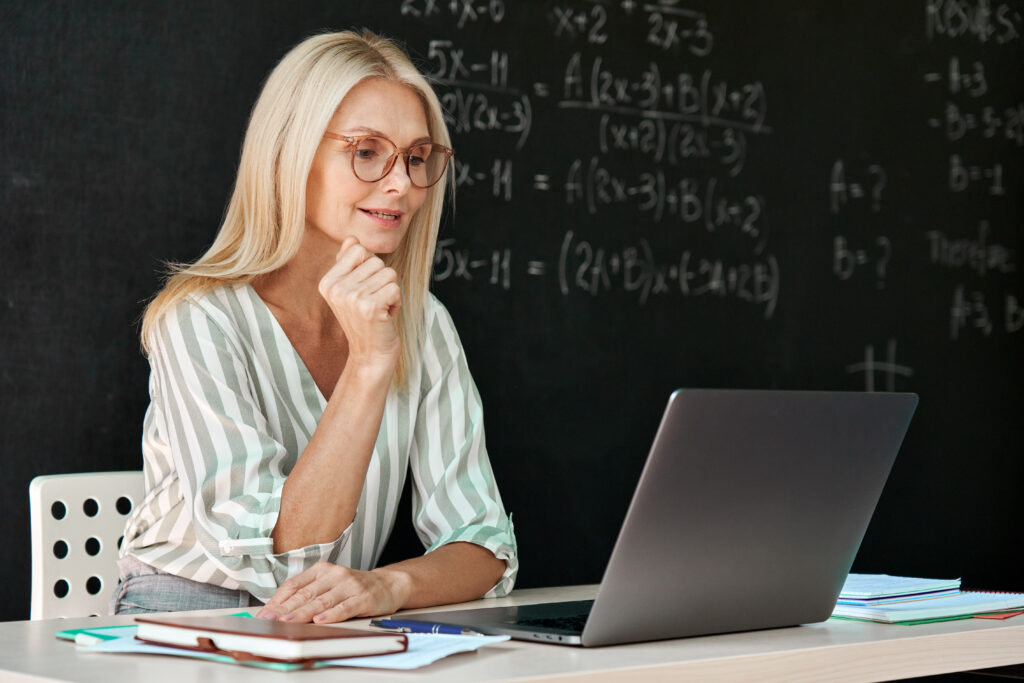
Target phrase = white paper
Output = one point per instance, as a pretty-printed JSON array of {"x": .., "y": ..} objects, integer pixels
[{"x": 424, "y": 648}]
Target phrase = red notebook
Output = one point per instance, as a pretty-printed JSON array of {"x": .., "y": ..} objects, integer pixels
[{"x": 253, "y": 639}]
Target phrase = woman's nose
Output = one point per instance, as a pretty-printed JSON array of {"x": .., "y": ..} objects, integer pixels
[{"x": 397, "y": 179}]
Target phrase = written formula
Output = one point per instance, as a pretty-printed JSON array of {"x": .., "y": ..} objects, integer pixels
[
  {"x": 971, "y": 311},
  {"x": 449, "y": 65},
  {"x": 467, "y": 112},
  {"x": 663, "y": 23},
  {"x": 594, "y": 269},
  {"x": 673, "y": 141},
  {"x": 842, "y": 191},
  {"x": 989, "y": 123},
  {"x": 463, "y": 11},
  {"x": 689, "y": 200},
  {"x": 636, "y": 269},
  {"x": 704, "y": 98},
  {"x": 963, "y": 175},
  {"x": 969, "y": 79},
  {"x": 497, "y": 177},
  {"x": 848, "y": 260}
]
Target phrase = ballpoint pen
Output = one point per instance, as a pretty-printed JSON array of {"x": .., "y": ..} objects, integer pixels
[{"x": 423, "y": 627}]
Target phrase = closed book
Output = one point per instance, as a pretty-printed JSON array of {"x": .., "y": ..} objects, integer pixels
[
  {"x": 249, "y": 638},
  {"x": 966, "y": 604}
]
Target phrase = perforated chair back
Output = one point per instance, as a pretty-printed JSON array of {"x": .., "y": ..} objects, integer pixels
[{"x": 77, "y": 525}]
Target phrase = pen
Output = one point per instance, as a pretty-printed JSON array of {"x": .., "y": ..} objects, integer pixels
[{"x": 422, "y": 627}]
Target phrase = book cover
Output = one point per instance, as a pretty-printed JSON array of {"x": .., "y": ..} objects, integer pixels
[{"x": 246, "y": 638}]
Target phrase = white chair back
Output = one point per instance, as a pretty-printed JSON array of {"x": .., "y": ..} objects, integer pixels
[{"x": 77, "y": 525}]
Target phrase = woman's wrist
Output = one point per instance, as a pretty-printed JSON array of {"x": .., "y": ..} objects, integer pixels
[
  {"x": 369, "y": 370},
  {"x": 399, "y": 583}
]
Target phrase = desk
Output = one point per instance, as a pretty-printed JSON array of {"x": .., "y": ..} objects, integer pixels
[{"x": 832, "y": 650}]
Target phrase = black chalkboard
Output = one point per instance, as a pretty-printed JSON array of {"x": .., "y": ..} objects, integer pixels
[{"x": 650, "y": 195}]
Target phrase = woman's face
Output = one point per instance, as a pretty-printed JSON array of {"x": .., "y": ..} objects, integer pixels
[{"x": 338, "y": 203}]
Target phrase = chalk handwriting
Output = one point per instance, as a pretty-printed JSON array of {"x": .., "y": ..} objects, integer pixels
[
  {"x": 452, "y": 262},
  {"x": 973, "y": 254},
  {"x": 467, "y": 112},
  {"x": 497, "y": 178},
  {"x": 689, "y": 200},
  {"x": 847, "y": 260},
  {"x": 638, "y": 269},
  {"x": 989, "y": 123},
  {"x": 969, "y": 79},
  {"x": 982, "y": 20},
  {"x": 962, "y": 176},
  {"x": 464, "y": 11},
  {"x": 451, "y": 66},
  {"x": 666, "y": 25},
  {"x": 674, "y": 142},
  {"x": 704, "y": 98},
  {"x": 889, "y": 368},
  {"x": 842, "y": 192}
]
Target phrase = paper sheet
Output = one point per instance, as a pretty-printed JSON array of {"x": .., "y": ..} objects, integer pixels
[{"x": 424, "y": 649}]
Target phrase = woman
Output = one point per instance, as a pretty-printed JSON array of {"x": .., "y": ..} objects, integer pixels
[{"x": 300, "y": 368}]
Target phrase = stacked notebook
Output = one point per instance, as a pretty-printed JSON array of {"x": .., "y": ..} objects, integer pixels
[{"x": 906, "y": 600}]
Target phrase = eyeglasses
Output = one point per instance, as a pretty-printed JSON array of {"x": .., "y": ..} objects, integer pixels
[{"x": 374, "y": 156}]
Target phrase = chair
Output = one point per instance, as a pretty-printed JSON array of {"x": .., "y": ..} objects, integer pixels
[{"x": 77, "y": 525}]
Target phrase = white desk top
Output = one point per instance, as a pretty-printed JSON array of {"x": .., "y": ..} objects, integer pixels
[{"x": 838, "y": 650}]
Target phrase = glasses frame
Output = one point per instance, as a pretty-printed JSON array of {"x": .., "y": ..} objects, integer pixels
[{"x": 354, "y": 140}]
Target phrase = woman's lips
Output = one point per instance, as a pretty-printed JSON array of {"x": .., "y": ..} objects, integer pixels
[{"x": 389, "y": 218}]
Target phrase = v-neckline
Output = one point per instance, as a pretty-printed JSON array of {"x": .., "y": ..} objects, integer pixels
[{"x": 282, "y": 337}]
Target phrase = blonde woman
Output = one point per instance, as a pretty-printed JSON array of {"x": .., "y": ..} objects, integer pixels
[{"x": 300, "y": 368}]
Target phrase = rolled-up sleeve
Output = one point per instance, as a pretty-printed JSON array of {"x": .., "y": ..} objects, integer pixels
[
  {"x": 455, "y": 497},
  {"x": 231, "y": 468}
]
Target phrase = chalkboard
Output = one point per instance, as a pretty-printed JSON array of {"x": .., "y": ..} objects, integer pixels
[{"x": 650, "y": 195}]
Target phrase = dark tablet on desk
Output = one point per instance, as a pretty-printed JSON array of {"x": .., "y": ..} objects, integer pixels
[{"x": 748, "y": 514}]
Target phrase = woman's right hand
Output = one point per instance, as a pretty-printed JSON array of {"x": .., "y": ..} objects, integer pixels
[{"x": 365, "y": 296}]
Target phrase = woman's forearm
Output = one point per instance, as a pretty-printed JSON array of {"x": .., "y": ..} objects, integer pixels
[
  {"x": 455, "y": 572},
  {"x": 321, "y": 493}
]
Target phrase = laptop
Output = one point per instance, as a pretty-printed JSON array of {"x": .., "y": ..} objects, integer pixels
[{"x": 748, "y": 514}]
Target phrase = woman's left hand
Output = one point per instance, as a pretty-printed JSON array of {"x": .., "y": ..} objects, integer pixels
[{"x": 327, "y": 592}]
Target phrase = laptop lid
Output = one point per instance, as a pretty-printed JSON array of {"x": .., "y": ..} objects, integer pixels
[{"x": 748, "y": 514}]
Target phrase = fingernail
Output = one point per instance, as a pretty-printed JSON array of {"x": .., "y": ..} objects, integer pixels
[
  {"x": 318, "y": 618},
  {"x": 287, "y": 617},
  {"x": 265, "y": 614}
]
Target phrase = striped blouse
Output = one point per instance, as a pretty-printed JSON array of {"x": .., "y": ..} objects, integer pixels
[{"x": 232, "y": 406}]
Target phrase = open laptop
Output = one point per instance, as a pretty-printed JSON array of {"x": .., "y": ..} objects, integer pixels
[{"x": 748, "y": 514}]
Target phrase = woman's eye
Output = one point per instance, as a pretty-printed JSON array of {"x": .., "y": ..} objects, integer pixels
[
  {"x": 365, "y": 154},
  {"x": 416, "y": 161}
]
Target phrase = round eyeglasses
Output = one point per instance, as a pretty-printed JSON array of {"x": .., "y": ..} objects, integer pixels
[{"x": 373, "y": 157}]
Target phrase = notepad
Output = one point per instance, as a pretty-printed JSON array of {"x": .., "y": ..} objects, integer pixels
[{"x": 959, "y": 606}]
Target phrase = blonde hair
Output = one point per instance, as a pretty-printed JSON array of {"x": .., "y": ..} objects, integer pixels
[{"x": 266, "y": 216}]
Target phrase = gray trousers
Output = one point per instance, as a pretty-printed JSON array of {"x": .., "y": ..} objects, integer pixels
[{"x": 143, "y": 589}]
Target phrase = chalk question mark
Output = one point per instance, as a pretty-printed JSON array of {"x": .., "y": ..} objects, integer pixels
[
  {"x": 876, "y": 189},
  {"x": 883, "y": 260}
]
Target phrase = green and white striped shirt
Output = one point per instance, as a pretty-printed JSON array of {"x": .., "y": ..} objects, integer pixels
[{"x": 232, "y": 407}]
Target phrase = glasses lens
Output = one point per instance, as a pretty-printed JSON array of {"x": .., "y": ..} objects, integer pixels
[
  {"x": 370, "y": 158},
  {"x": 426, "y": 164}
]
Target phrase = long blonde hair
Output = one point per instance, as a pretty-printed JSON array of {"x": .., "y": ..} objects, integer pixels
[{"x": 266, "y": 216}]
